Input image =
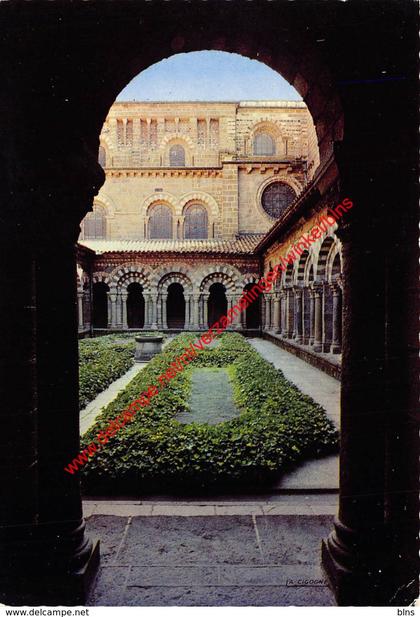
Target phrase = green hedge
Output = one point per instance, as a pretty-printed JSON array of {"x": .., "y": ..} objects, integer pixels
[
  {"x": 278, "y": 425},
  {"x": 102, "y": 360}
]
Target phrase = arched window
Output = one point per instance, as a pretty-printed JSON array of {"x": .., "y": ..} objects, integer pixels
[
  {"x": 94, "y": 225},
  {"x": 264, "y": 145},
  {"x": 276, "y": 197},
  {"x": 177, "y": 156},
  {"x": 160, "y": 222},
  {"x": 196, "y": 222},
  {"x": 102, "y": 156}
]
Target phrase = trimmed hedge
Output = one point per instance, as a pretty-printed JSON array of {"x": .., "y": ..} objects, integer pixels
[
  {"x": 102, "y": 360},
  {"x": 278, "y": 426}
]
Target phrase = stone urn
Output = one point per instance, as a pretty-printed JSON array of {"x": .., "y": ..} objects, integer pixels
[{"x": 147, "y": 347}]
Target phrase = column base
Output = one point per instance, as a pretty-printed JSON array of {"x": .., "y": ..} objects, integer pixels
[
  {"x": 65, "y": 588},
  {"x": 317, "y": 347},
  {"x": 358, "y": 569},
  {"x": 335, "y": 349}
]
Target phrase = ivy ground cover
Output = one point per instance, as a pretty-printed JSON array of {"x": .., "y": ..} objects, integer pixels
[
  {"x": 102, "y": 360},
  {"x": 277, "y": 426}
]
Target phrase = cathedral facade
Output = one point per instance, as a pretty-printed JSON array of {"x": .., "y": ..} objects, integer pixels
[{"x": 179, "y": 229}]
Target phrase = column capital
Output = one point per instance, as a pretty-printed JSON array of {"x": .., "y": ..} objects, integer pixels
[
  {"x": 317, "y": 287},
  {"x": 335, "y": 287}
]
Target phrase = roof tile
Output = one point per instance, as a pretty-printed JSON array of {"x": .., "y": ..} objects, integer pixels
[{"x": 239, "y": 245}]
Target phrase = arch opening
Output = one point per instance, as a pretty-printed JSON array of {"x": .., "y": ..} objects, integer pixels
[
  {"x": 100, "y": 305},
  {"x": 135, "y": 306},
  {"x": 252, "y": 311},
  {"x": 175, "y": 307},
  {"x": 217, "y": 303}
]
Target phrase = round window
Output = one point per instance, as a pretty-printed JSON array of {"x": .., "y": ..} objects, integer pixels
[{"x": 276, "y": 197}]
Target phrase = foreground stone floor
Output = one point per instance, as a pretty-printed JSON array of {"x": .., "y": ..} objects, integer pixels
[
  {"x": 250, "y": 554},
  {"x": 242, "y": 550}
]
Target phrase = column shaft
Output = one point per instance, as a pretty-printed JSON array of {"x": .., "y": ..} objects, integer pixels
[
  {"x": 336, "y": 323},
  {"x": 164, "y": 311},
  {"x": 298, "y": 316},
  {"x": 276, "y": 324},
  {"x": 80, "y": 295},
  {"x": 124, "y": 296},
  {"x": 317, "y": 346},
  {"x": 153, "y": 302}
]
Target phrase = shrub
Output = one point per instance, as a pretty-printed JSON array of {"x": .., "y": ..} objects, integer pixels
[
  {"x": 102, "y": 360},
  {"x": 277, "y": 426}
]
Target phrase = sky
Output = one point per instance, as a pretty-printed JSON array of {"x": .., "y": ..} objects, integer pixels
[{"x": 208, "y": 76}]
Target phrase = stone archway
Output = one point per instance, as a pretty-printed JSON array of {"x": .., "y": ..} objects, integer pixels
[{"x": 38, "y": 199}]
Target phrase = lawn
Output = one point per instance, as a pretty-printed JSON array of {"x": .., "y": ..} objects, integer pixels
[{"x": 277, "y": 426}]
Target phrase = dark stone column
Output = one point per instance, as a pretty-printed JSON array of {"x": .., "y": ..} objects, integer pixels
[
  {"x": 289, "y": 324},
  {"x": 46, "y": 556},
  {"x": 276, "y": 324},
  {"x": 311, "y": 316},
  {"x": 317, "y": 301},
  {"x": 298, "y": 315},
  {"x": 372, "y": 555},
  {"x": 282, "y": 312},
  {"x": 336, "y": 321}
]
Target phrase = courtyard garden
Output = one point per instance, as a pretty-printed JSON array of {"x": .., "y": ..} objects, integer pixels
[{"x": 228, "y": 419}]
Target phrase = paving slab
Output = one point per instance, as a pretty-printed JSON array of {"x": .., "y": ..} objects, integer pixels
[
  {"x": 291, "y": 539},
  {"x": 210, "y": 561},
  {"x": 294, "y": 503},
  {"x": 228, "y": 596},
  {"x": 110, "y": 530},
  {"x": 189, "y": 540}
]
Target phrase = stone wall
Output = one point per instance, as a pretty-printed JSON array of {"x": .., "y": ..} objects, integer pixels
[{"x": 220, "y": 166}]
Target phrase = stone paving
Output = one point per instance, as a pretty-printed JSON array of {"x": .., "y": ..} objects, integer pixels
[
  {"x": 203, "y": 559},
  {"x": 211, "y": 400},
  {"x": 249, "y": 550}
]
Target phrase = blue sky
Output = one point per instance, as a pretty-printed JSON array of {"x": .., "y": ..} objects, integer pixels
[{"x": 208, "y": 76}]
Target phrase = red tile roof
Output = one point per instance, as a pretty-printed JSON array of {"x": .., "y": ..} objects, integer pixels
[{"x": 241, "y": 245}]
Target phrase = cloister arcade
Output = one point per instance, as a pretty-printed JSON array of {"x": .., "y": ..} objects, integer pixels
[{"x": 303, "y": 307}]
